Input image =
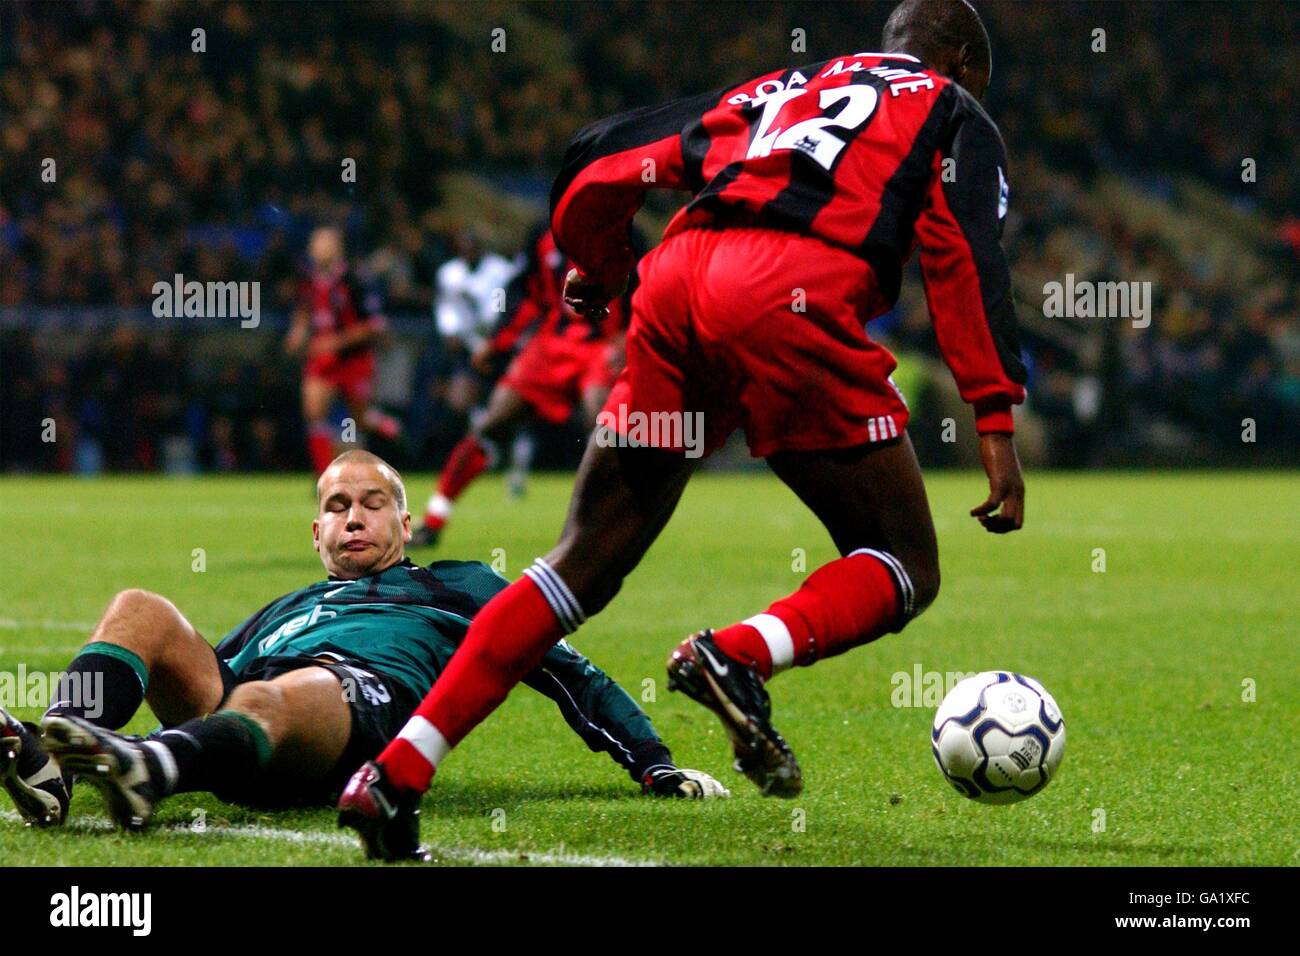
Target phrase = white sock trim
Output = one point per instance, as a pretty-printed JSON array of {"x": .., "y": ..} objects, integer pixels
[
  {"x": 777, "y": 638},
  {"x": 439, "y": 506},
  {"x": 165, "y": 760},
  {"x": 552, "y": 599},
  {"x": 895, "y": 568},
  {"x": 557, "y": 595},
  {"x": 574, "y": 607},
  {"x": 425, "y": 738}
]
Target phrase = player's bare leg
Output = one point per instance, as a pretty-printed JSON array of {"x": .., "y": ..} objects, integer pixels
[
  {"x": 317, "y": 396},
  {"x": 304, "y": 716},
  {"x": 593, "y": 400},
  {"x": 473, "y": 454},
  {"x": 294, "y": 726},
  {"x": 142, "y": 648},
  {"x": 872, "y": 501},
  {"x": 621, "y": 500},
  {"x": 871, "y": 497}
]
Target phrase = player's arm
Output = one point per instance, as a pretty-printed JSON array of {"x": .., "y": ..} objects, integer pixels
[
  {"x": 299, "y": 328},
  {"x": 968, "y": 290},
  {"x": 608, "y": 169},
  {"x": 609, "y": 721}
]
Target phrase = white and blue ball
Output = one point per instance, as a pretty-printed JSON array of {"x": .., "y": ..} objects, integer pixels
[{"x": 998, "y": 737}]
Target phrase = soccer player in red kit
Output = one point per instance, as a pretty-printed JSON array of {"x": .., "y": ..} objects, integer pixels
[
  {"x": 570, "y": 359},
  {"x": 337, "y": 325},
  {"x": 812, "y": 186}
]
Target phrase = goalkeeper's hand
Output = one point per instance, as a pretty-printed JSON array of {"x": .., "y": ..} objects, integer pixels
[{"x": 666, "y": 781}]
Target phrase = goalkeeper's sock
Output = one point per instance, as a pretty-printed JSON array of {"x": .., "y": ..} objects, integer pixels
[
  {"x": 104, "y": 684},
  {"x": 213, "y": 750},
  {"x": 848, "y": 602},
  {"x": 508, "y": 638}
]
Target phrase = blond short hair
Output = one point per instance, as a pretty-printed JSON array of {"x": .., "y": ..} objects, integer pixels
[{"x": 362, "y": 457}]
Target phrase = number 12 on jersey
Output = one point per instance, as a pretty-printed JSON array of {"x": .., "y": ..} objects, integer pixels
[{"x": 814, "y": 137}]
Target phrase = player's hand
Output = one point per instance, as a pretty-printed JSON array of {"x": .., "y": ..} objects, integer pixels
[
  {"x": 588, "y": 297},
  {"x": 481, "y": 360},
  {"x": 685, "y": 784},
  {"x": 1006, "y": 486}
]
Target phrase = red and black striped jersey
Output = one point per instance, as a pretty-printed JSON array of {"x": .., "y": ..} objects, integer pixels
[
  {"x": 871, "y": 152},
  {"x": 542, "y": 305},
  {"x": 336, "y": 302}
]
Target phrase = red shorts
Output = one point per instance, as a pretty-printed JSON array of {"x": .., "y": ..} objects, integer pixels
[
  {"x": 761, "y": 330},
  {"x": 351, "y": 375},
  {"x": 553, "y": 372}
]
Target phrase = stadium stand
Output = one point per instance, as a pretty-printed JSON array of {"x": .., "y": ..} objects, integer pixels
[{"x": 215, "y": 164}]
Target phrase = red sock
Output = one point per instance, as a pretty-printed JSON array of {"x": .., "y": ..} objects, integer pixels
[
  {"x": 465, "y": 463},
  {"x": 320, "y": 445},
  {"x": 508, "y": 638},
  {"x": 848, "y": 602}
]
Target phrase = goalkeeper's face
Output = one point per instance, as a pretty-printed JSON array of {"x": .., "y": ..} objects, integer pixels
[{"x": 362, "y": 526}]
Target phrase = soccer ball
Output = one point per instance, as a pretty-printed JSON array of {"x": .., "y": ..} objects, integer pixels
[{"x": 998, "y": 737}]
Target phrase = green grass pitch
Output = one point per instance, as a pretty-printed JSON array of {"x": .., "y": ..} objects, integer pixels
[{"x": 1172, "y": 758}]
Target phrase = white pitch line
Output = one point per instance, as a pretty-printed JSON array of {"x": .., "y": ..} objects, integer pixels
[
  {"x": 10, "y": 624},
  {"x": 558, "y": 857}
]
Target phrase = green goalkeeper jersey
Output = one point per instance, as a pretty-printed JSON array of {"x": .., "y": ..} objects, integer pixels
[{"x": 407, "y": 621}]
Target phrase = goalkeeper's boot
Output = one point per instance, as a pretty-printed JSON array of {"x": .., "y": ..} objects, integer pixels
[
  {"x": 121, "y": 767},
  {"x": 386, "y": 818},
  {"x": 734, "y": 691},
  {"x": 30, "y": 775}
]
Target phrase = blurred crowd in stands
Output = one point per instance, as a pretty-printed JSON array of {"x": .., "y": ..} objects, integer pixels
[{"x": 211, "y": 155}]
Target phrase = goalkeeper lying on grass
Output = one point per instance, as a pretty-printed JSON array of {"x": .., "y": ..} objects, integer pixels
[{"x": 305, "y": 690}]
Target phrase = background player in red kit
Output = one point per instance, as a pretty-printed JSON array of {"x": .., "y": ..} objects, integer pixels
[
  {"x": 812, "y": 186},
  {"x": 338, "y": 325},
  {"x": 571, "y": 359}
]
